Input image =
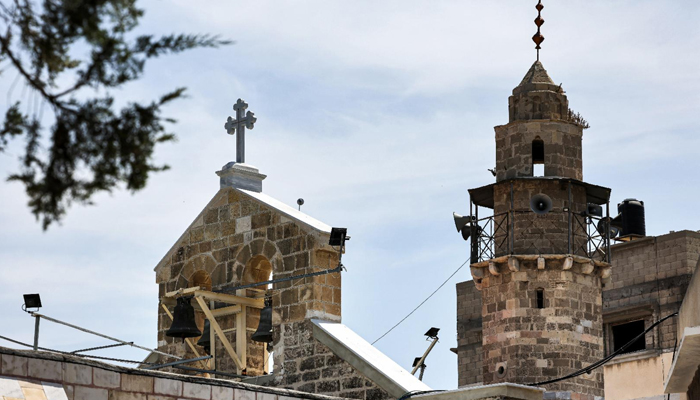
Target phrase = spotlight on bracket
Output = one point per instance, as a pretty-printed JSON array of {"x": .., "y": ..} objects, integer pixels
[
  {"x": 541, "y": 204},
  {"x": 338, "y": 236},
  {"x": 32, "y": 301},
  {"x": 466, "y": 226}
]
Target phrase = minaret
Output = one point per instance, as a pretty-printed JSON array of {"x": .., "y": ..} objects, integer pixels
[{"x": 539, "y": 259}]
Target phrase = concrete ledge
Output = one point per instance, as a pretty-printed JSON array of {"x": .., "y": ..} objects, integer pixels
[
  {"x": 56, "y": 374},
  {"x": 686, "y": 363},
  {"x": 505, "y": 391}
]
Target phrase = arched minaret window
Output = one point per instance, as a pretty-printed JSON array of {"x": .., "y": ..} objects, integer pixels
[{"x": 538, "y": 157}]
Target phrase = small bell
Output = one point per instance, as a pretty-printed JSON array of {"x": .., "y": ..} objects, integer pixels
[
  {"x": 264, "y": 332},
  {"x": 205, "y": 340},
  {"x": 183, "y": 325}
]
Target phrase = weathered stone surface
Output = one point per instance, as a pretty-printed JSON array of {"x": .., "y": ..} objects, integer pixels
[
  {"x": 75, "y": 373},
  {"x": 196, "y": 390},
  {"x": 137, "y": 383},
  {"x": 167, "y": 386},
  {"x": 44, "y": 369},
  {"x": 88, "y": 393},
  {"x": 106, "y": 379},
  {"x": 13, "y": 365}
]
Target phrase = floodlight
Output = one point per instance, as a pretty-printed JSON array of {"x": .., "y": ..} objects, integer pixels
[
  {"x": 32, "y": 301},
  {"x": 338, "y": 236},
  {"x": 416, "y": 361},
  {"x": 432, "y": 332}
]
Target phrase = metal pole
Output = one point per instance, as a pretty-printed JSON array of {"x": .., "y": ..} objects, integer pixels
[
  {"x": 36, "y": 332},
  {"x": 569, "y": 236},
  {"x": 607, "y": 231},
  {"x": 422, "y": 359},
  {"x": 422, "y": 370},
  {"x": 101, "y": 335},
  {"x": 512, "y": 220}
]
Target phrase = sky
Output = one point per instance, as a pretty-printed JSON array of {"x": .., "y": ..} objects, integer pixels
[{"x": 380, "y": 116}]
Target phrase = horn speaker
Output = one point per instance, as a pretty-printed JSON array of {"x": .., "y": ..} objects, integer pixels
[{"x": 541, "y": 204}]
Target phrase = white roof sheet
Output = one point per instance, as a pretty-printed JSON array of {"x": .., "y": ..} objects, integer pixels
[
  {"x": 367, "y": 359},
  {"x": 289, "y": 211}
]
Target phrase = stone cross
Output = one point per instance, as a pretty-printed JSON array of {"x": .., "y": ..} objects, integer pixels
[{"x": 240, "y": 124}]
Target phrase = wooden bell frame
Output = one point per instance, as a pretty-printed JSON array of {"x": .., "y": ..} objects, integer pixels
[{"x": 239, "y": 303}]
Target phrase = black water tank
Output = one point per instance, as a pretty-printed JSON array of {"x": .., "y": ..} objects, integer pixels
[{"x": 632, "y": 211}]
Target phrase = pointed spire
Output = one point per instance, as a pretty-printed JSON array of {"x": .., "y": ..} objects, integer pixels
[{"x": 536, "y": 74}]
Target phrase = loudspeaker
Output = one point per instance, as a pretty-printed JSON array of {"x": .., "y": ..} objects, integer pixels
[
  {"x": 594, "y": 210},
  {"x": 460, "y": 221},
  {"x": 541, "y": 204},
  {"x": 465, "y": 226},
  {"x": 608, "y": 224}
]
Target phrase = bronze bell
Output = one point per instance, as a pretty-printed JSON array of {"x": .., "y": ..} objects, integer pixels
[
  {"x": 205, "y": 340},
  {"x": 264, "y": 332},
  {"x": 184, "y": 325}
]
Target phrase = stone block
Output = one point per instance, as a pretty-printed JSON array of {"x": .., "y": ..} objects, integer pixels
[
  {"x": 54, "y": 391},
  {"x": 44, "y": 369},
  {"x": 88, "y": 393},
  {"x": 243, "y": 224},
  {"x": 266, "y": 396},
  {"x": 137, "y": 383},
  {"x": 240, "y": 394},
  {"x": 10, "y": 388},
  {"x": 119, "y": 395},
  {"x": 76, "y": 373},
  {"x": 221, "y": 393},
  {"x": 13, "y": 365},
  {"x": 167, "y": 386},
  {"x": 196, "y": 391},
  {"x": 70, "y": 391}
]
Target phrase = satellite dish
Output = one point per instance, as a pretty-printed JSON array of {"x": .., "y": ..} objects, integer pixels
[{"x": 541, "y": 204}]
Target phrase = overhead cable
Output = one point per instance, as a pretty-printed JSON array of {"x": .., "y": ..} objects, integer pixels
[
  {"x": 423, "y": 302},
  {"x": 606, "y": 359},
  {"x": 34, "y": 314}
]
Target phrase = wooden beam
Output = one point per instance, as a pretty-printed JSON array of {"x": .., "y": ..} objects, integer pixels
[
  {"x": 182, "y": 291},
  {"x": 215, "y": 325},
  {"x": 231, "y": 299},
  {"x": 241, "y": 333},
  {"x": 187, "y": 340},
  {"x": 220, "y": 312}
]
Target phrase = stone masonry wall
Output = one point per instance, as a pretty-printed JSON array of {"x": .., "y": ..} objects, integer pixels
[
  {"x": 533, "y": 344},
  {"x": 469, "y": 353},
  {"x": 534, "y": 233},
  {"x": 310, "y": 366},
  {"x": 89, "y": 380},
  {"x": 233, "y": 230},
  {"x": 650, "y": 277},
  {"x": 562, "y": 149}
]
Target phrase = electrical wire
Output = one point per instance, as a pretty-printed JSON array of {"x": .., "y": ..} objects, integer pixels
[
  {"x": 423, "y": 302},
  {"x": 76, "y": 355},
  {"x": 607, "y": 359}
]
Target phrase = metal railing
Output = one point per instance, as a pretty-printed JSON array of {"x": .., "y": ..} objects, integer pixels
[{"x": 524, "y": 232}]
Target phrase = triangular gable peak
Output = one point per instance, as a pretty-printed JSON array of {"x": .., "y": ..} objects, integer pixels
[{"x": 224, "y": 198}]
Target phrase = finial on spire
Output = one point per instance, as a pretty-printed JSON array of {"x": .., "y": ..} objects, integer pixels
[{"x": 538, "y": 38}]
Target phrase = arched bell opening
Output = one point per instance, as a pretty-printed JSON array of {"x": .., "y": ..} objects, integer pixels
[
  {"x": 203, "y": 280},
  {"x": 259, "y": 360}
]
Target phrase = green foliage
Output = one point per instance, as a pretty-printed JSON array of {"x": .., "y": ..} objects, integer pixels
[{"x": 93, "y": 147}]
